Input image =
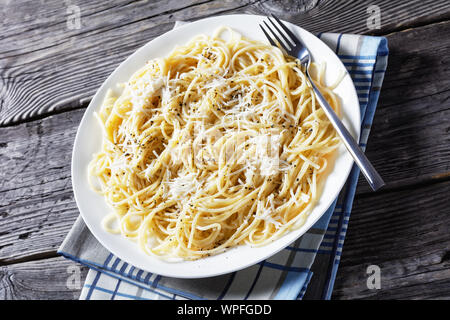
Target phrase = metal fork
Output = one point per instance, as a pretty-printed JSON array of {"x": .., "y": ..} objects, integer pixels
[{"x": 294, "y": 47}]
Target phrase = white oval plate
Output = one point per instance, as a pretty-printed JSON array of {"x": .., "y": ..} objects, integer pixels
[{"x": 88, "y": 141}]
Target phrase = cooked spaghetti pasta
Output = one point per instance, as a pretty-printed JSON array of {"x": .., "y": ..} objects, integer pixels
[{"x": 221, "y": 143}]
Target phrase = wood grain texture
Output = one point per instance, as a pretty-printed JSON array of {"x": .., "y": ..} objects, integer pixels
[
  {"x": 37, "y": 206},
  {"x": 410, "y": 248},
  {"x": 351, "y": 16},
  {"x": 410, "y": 137},
  {"x": 409, "y": 141},
  {"x": 49, "y": 279},
  {"x": 52, "y": 72},
  {"x": 45, "y": 67},
  {"x": 407, "y": 236}
]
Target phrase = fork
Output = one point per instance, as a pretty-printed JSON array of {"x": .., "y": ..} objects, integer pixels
[{"x": 293, "y": 46}]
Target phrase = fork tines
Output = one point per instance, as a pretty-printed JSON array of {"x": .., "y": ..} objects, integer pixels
[{"x": 289, "y": 41}]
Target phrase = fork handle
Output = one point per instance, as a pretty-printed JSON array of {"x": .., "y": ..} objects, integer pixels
[{"x": 373, "y": 178}]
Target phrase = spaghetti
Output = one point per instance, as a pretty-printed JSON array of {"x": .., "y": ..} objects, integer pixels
[{"x": 220, "y": 143}]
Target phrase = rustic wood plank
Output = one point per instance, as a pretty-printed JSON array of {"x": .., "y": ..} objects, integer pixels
[
  {"x": 37, "y": 206},
  {"x": 49, "y": 279},
  {"x": 46, "y": 67},
  {"x": 408, "y": 143},
  {"x": 355, "y": 16},
  {"x": 409, "y": 244},
  {"x": 36, "y": 201},
  {"x": 405, "y": 233}
]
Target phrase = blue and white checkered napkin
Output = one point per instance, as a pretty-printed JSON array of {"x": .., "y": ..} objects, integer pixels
[{"x": 309, "y": 264}]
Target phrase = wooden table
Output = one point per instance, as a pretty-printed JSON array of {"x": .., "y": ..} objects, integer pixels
[{"x": 49, "y": 70}]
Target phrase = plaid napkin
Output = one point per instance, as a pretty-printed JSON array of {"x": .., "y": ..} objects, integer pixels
[{"x": 307, "y": 266}]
